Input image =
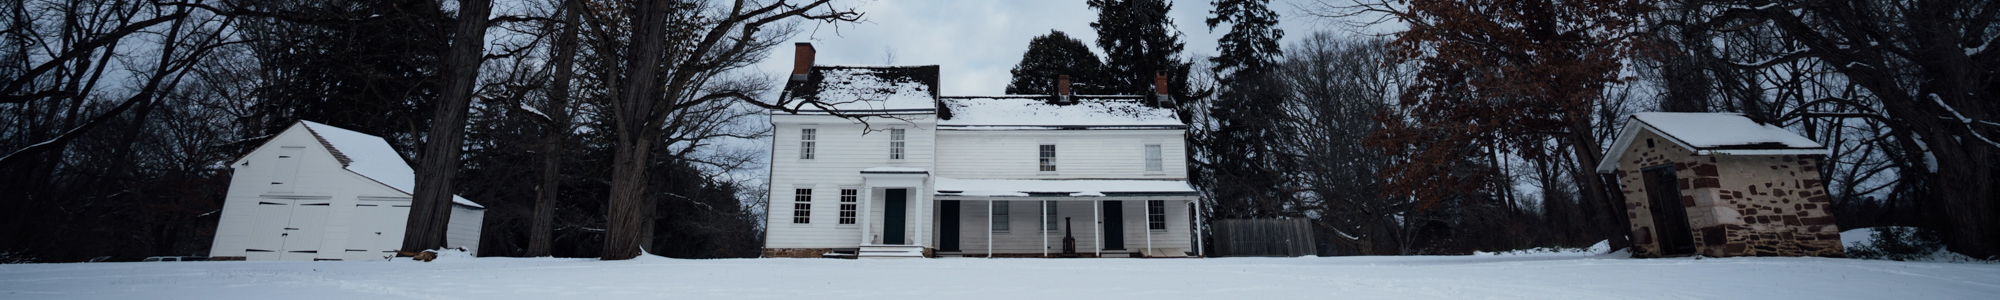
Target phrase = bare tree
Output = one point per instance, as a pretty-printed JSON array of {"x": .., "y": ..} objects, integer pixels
[{"x": 662, "y": 78}]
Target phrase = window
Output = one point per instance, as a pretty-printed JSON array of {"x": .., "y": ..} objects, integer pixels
[
  {"x": 802, "y": 204},
  {"x": 1048, "y": 158},
  {"x": 1156, "y": 214},
  {"x": 848, "y": 199},
  {"x": 1000, "y": 216},
  {"x": 807, "y": 137},
  {"x": 895, "y": 143},
  {"x": 1049, "y": 216},
  {"x": 1153, "y": 163}
]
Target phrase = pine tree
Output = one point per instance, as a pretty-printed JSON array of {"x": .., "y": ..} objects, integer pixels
[
  {"x": 1139, "y": 40},
  {"x": 1057, "y": 54},
  {"x": 1239, "y": 164}
]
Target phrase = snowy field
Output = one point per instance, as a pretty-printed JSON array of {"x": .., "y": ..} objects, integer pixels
[{"x": 1532, "y": 276}]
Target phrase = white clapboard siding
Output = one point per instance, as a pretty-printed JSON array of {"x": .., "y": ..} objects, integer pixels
[
  {"x": 1015, "y": 154},
  {"x": 1023, "y": 235},
  {"x": 842, "y": 150},
  {"x": 464, "y": 227}
]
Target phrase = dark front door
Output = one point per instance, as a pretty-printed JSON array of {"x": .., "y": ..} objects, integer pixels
[
  {"x": 1114, "y": 225},
  {"x": 948, "y": 225},
  {"x": 1670, "y": 221},
  {"x": 893, "y": 216}
]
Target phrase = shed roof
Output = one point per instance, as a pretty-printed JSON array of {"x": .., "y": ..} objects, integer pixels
[
  {"x": 370, "y": 156},
  {"x": 1710, "y": 134},
  {"x": 1035, "y": 112}
]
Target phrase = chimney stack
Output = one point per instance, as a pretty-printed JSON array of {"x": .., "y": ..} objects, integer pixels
[
  {"x": 802, "y": 61},
  {"x": 1160, "y": 97},
  {"x": 1062, "y": 89}
]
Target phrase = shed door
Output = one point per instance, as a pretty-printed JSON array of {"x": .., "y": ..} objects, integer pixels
[
  {"x": 1670, "y": 221},
  {"x": 288, "y": 169},
  {"x": 305, "y": 231},
  {"x": 268, "y": 234}
]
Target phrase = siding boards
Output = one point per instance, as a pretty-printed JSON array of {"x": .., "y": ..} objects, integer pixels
[
  {"x": 1079, "y": 153},
  {"x": 841, "y": 151}
]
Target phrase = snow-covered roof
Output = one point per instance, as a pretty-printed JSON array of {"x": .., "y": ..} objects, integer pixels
[
  {"x": 370, "y": 156},
  {"x": 870, "y": 89},
  {"x": 1023, "y": 112},
  {"x": 1075, "y": 188},
  {"x": 1710, "y": 134}
]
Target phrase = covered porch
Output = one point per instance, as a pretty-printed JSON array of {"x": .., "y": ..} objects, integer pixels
[{"x": 1031, "y": 218}]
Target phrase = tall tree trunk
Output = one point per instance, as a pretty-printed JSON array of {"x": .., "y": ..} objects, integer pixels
[
  {"x": 430, "y": 210},
  {"x": 541, "y": 228},
  {"x": 1610, "y": 217},
  {"x": 638, "y": 94}
]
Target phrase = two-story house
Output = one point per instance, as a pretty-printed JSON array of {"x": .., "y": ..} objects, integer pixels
[{"x": 875, "y": 163}]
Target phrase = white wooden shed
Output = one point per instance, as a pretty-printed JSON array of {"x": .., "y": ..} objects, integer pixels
[{"x": 318, "y": 192}]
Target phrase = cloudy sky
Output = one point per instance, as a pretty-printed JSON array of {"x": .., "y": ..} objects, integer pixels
[{"x": 975, "y": 43}]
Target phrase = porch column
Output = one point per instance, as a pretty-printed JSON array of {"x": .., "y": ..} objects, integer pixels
[
  {"x": 867, "y": 219},
  {"x": 1148, "y": 229},
  {"x": 989, "y": 228},
  {"x": 1097, "y": 227},
  {"x": 1199, "y": 247},
  {"x": 1045, "y": 231}
]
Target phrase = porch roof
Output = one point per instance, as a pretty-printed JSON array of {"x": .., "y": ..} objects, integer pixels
[{"x": 1046, "y": 188}]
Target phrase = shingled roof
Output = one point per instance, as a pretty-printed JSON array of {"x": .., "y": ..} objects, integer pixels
[{"x": 866, "y": 89}]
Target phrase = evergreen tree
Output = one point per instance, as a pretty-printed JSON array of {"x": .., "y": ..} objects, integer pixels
[
  {"x": 1240, "y": 164},
  {"x": 1057, "y": 54},
  {"x": 1138, "y": 40}
]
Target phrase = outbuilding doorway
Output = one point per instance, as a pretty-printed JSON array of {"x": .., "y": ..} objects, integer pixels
[{"x": 1670, "y": 220}]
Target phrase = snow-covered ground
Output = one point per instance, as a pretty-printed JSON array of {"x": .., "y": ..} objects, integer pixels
[{"x": 1533, "y": 276}]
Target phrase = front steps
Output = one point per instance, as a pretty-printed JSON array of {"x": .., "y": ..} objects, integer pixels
[{"x": 890, "y": 251}]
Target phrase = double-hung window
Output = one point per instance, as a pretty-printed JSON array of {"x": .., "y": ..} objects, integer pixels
[
  {"x": 802, "y": 204},
  {"x": 848, "y": 201},
  {"x": 1048, "y": 160},
  {"x": 1156, "y": 214},
  {"x": 1153, "y": 160},
  {"x": 1000, "y": 219},
  {"x": 808, "y": 137},
  {"x": 896, "y": 143}
]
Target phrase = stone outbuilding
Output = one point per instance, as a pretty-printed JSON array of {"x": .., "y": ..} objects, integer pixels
[{"x": 1720, "y": 185}]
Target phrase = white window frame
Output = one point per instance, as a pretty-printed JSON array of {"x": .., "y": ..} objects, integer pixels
[
  {"x": 802, "y": 206},
  {"x": 896, "y": 142},
  {"x": 1002, "y": 219},
  {"x": 849, "y": 204},
  {"x": 1155, "y": 161},
  {"x": 808, "y": 140},
  {"x": 1046, "y": 154}
]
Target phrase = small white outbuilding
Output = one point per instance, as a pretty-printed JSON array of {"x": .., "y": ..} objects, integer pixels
[{"x": 318, "y": 192}]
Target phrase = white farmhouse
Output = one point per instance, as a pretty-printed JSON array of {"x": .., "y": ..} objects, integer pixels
[
  {"x": 318, "y": 192},
  {"x": 921, "y": 175}
]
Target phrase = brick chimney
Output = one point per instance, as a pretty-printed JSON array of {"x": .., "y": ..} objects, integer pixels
[
  {"x": 1160, "y": 97},
  {"x": 802, "y": 61},
  {"x": 1062, "y": 89}
]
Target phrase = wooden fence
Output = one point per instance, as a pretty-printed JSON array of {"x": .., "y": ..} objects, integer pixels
[{"x": 1263, "y": 237}]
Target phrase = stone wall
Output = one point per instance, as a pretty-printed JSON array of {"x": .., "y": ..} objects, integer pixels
[{"x": 1737, "y": 205}]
